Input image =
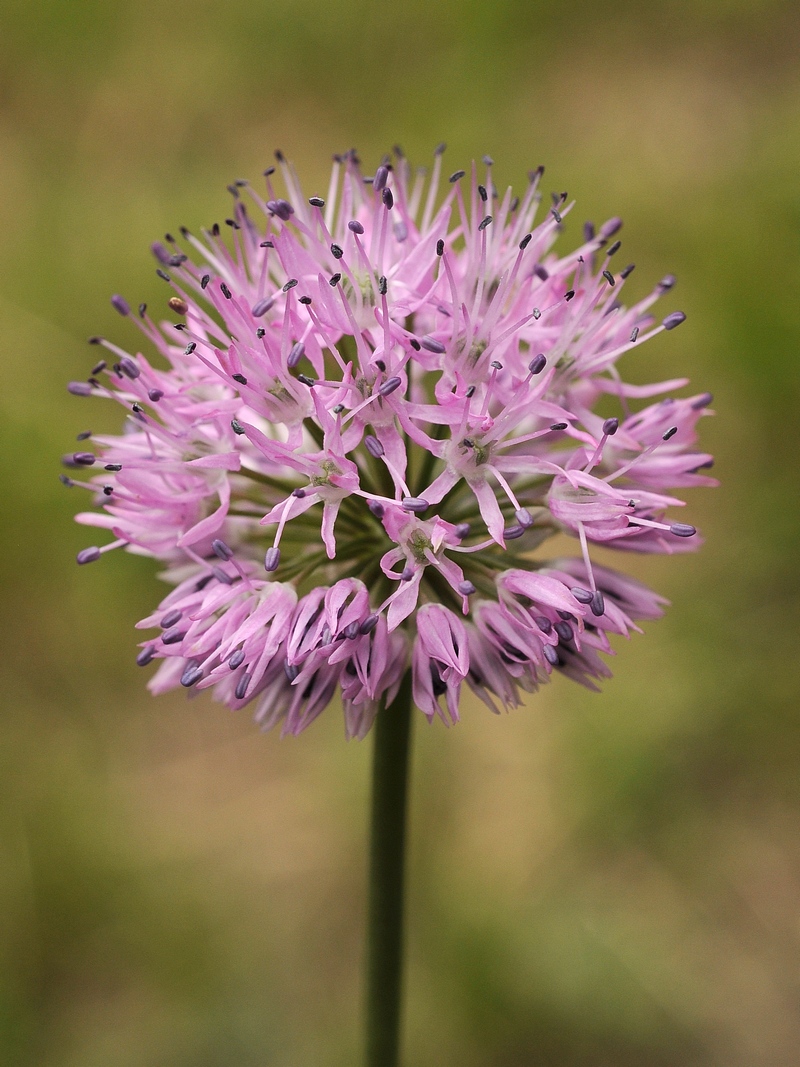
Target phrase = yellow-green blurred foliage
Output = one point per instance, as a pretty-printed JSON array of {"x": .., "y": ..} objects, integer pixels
[{"x": 595, "y": 881}]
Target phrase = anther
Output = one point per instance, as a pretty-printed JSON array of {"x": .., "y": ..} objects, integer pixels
[
  {"x": 129, "y": 368},
  {"x": 485, "y": 222},
  {"x": 171, "y": 618},
  {"x": 236, "y": 659},
  {"x": 299, "y": 492},
  {"x": 568, "y": 296},
  {"x": 334, "y": 279},
  {"x": 382, "y": 285},
  {"x": 440, "y": 247},
  {"x": 98, "y": 367},
  {"x": 469, "y": 392},
  {"x": 614, "y": 248},
  {"x": 336, "y": 251},
  {"x": 523, "y": 517},
  {"x": 88, "y": 555},
  {"x": 415, "y": 344},
  {"x": 306, "y": 380},
  {"x": 221, "y": 549},
  {"x": 369, "y": 624},
  {"x": 376, "y": 508},
  {"x": 180, "y": 307},
  {"x": 456, "y": 176},
  {"x": 380, "y": 179},
  {"x": 316, "y": 201},
  {"x": 373, "y": 446},
  {"x": 120, "y": 304},
  {"x": 673, "y": 320},
  {"x": 389, "y": 386},
  {"x": 388, "y": 199},
  {"x": 702, "y": 401},
  {"x": 290, "y": 285},
  {"x": 262, "y": 307},
  {"x": 225, "y": 290},
  {"x": 466, "y": 588},
  {"x": 598, "y": 603},
  {"x": 79, "y": 388},
  {"x": 430, "y": 344},
  {"x": 338, "y": 409},
  {"x": 541, "y": 272},
  {"x": 682, "y": 529},
  {"x": 462, "y": 530},
  {"x": 511, "y": 533},
  {"x": 113, "y": 467},
  {"x": 237, "y": 427},
  {"x": 355, "y": 226},
  {"x": 260, "y": 332},
  {"x": 666, "y": 283},
  {"x": 414, "y": 503},
  {"x": 189, "y": 348},
  {"x": 558, "y": 425},
  {"x": 496, "y": 364},
  {"x": 543, "y": 623},
  {"x": 272, "y": 559},
  {"x": 173, "y": 636},
  {"x": 609, "y": 277},
  {"x": 670, "y": 433},
  {"x": 610, "y": 427},
  {"x": 564, "y": 631},
  {"x": 240, "y": 378},
  {"x": 538, "y": 363},
  {"x": 145, "y": 656},
  {"x": 241, "y": 686},
  {"x": 65, "y": 480},
  {"x": 297, "y": 352},
  {"x": 205, "y": 280},
  {"x": 583, "y": 596},
  {"x": 84, "y": 459},
  {"x": 526, "y": 240},
  {"x": 163, "y": 275},
  {"x": 551, "y": 655}
]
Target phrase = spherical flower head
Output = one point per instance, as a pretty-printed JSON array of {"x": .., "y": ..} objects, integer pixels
[{"x": 365, "y": 415}]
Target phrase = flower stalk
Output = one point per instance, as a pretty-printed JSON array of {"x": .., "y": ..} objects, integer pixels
[{"x": 384, "y": 981}]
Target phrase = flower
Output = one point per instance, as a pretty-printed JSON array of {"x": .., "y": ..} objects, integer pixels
[{"x": 370, "y": 413}]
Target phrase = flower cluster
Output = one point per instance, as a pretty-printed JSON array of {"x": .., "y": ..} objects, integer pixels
[{"x": 370, "y": 411}]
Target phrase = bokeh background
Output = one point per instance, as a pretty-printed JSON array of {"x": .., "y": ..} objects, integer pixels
[{"x": 595, "y": 880}]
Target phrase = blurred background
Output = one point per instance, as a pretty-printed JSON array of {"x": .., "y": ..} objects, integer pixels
[{"x": 594, "y": 880}]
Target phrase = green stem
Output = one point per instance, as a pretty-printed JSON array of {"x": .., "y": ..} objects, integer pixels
[{"x": 392, "y": 732}]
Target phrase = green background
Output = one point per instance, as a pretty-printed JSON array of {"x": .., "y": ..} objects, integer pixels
[{"x": 595, "y": 880}]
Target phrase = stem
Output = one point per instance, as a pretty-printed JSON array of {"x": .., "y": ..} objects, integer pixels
[{"x": 387, "y": 855}]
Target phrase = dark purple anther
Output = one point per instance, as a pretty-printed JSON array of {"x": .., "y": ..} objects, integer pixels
[
  {"x": 191, "y": 675},
  {"x": 388, "y": 199},
  {"x": 84, "y": 459},
  {"x": 702, "y": 401},
  {"x": 237, "y": 427},
  {"x": 161, "y": 253},
  {"x": 171, "y": 618},
  {"x": 289, "y": 285},
  {"x": 670, "y": 433},
  {"x": 352, "y": 630},
  {"x": 682, "y": 529},
  {"x": 291, "y": 671},
  {"x": 299, "y": 493},
  {"x": 236, "y": 659},
  {"x": 588, "y": 231},
  {"x": 673, "y": 320},
  {"x": 626, "y": 272},
  {"x": 558, "y": 425},
  {"x": 609, "y": 277},
  {"x": 550, "y": 655},
  {"x": 466, "y": 588},
  {"x": 120, "y": 304},
  {"x": 222, "y": 576},
  {"x": 564, "y": 631},
  {"x": 583, "y": 596},
  {"x": 129, "y": 368},
  {"x": 316, "y": 201},
  {"x": 610, "y": 427},
  {"x": 598, "y": 603},
  {"x": 415, "y": 504},
  {"x": 376, "y": 508},
  {"x": 496, "y": 364},
  {"x": 526, "y": 240},
  {"x": 306, "y": 380},
  {"x": 145, "y": 656},
  {"x": 373, "y": 445},
  {"x": 485, "y": 222},
  {"x": 430, "y": 344},
  {"x": 79, "y": 389},
  {"x": 88, "y": 555},
  {"x": 456, "y": 176},
  {"x": 541, "y": 272},
  {"x": 389, "y": 386},
  {"x": 538, "y": 363},
  {"x": 523, "y": 517},
  {"x": 155, "y": 395},
  {"x": 240, "y": 378},
  {"x": 297, "y": 352},
  {"x": 400, "y": 231},
  {"x": 241, "y": 686},
  {"x": 369, "y": 624},
  {"x": 272, "y": 559},
  {"x": 282, "y": 208},
  {"x": 262, "y": 307},
  {"x": 462, "y": 530},
  {"x": 608, "y": 229},
  {"x": 440, "y": 247},
  {"x": 355, "y": 226},
  {"x": 666, "y": 283},
  {"x": 379, "y": 181},
  {"x": 221, "y": 549},
  {"x": 406, "y": 574},
  {"x": 543, "y": 623},
  {"x": 482, "y": 193},
  {"x": 511, "y": 533},
  {"x": 173, "y": 636}
]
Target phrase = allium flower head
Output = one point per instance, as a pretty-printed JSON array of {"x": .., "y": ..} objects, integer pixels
[{"x": 366, "y": 415}]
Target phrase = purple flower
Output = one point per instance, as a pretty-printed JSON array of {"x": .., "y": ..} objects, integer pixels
[{"x": 369, "y": 416}]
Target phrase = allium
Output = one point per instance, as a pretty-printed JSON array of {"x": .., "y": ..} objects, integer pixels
[{"x": 366, "y": 417}]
